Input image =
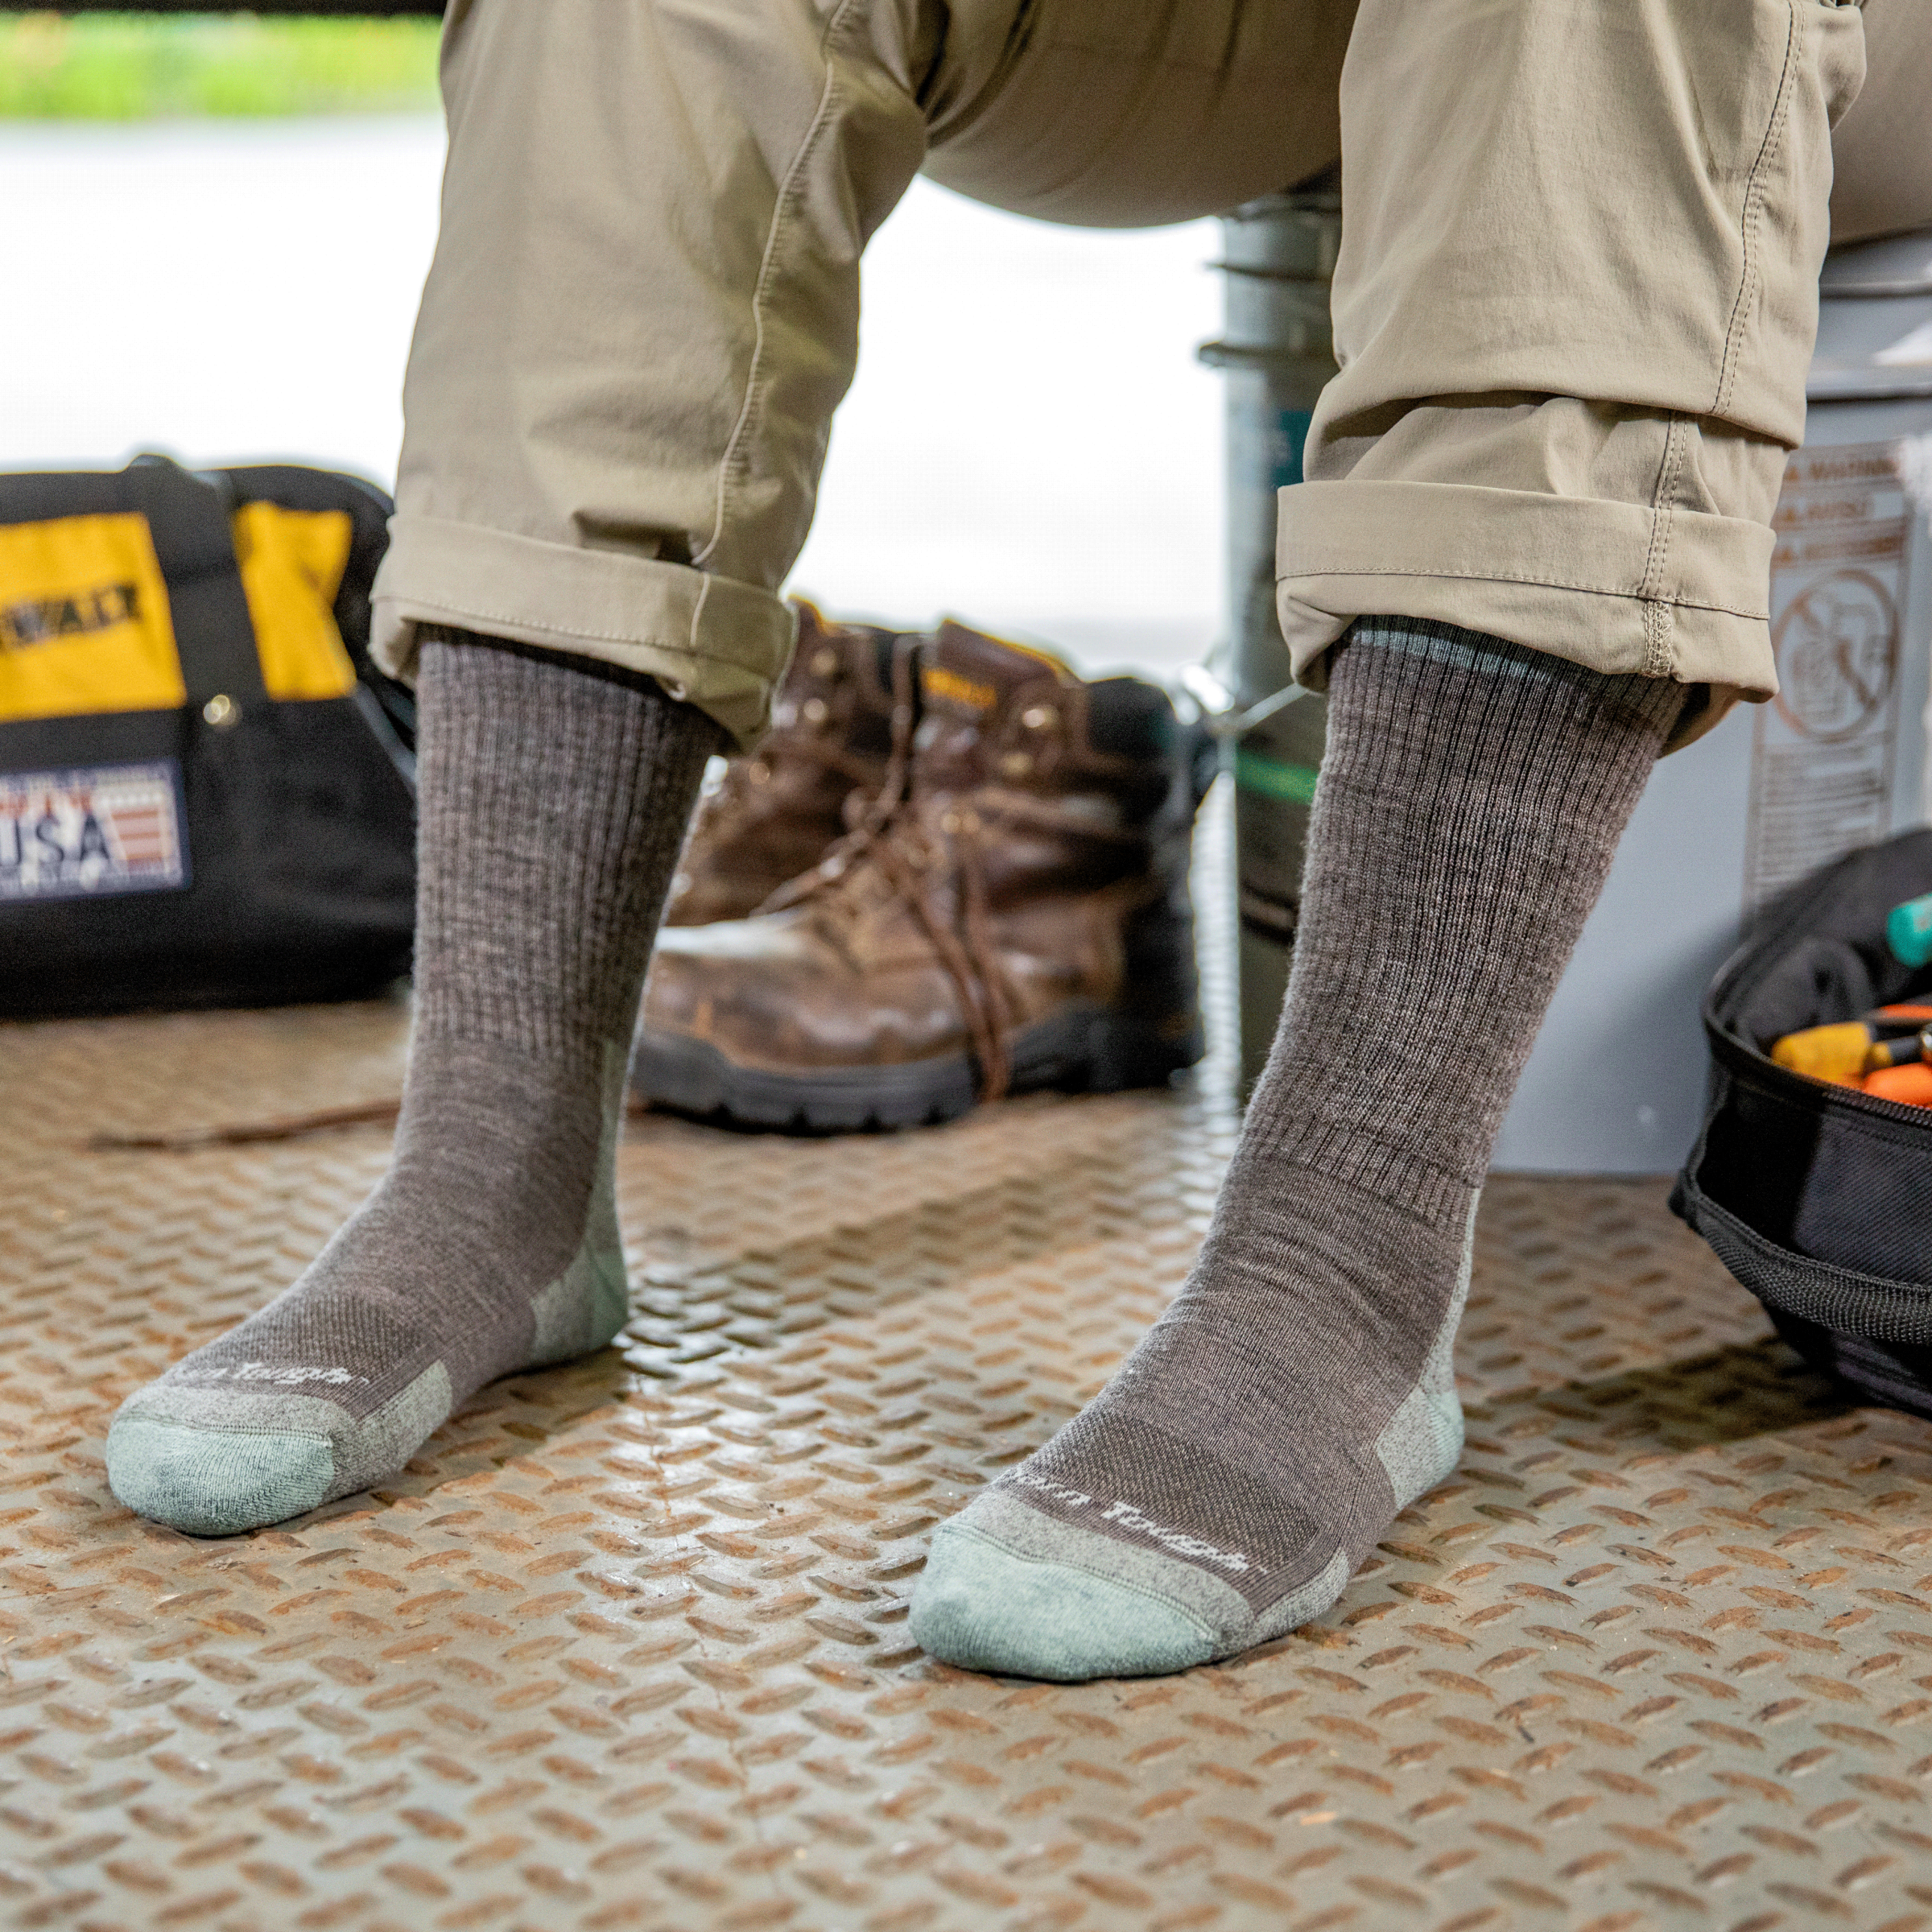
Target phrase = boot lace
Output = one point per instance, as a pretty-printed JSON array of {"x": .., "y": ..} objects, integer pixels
[{"x": 914, "y": 845}]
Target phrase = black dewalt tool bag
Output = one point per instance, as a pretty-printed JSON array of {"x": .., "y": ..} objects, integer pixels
[
  {"x": 206, "y": 791},
  {"x": 1818, "y": 1198}
]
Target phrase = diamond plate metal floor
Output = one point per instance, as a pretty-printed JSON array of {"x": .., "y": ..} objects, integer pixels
[{"x": 624, "y": 1648}]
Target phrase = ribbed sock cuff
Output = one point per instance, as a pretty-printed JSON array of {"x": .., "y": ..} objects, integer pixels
[
  {"x": 1640, "y": 701},
  {"x": 552, "y": 806},
  {"x": 1471, "y": 799}
]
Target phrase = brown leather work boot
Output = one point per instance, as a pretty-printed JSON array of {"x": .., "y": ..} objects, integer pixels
[
  {"x": 778, "y": 809},
  {"x": 1018, "y": 919}
]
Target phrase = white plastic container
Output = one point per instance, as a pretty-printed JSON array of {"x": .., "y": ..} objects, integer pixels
[{"x": 1616, "y": 1083}]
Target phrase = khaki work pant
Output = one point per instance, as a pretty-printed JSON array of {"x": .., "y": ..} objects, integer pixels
[{"x": 1574, "y": 305}]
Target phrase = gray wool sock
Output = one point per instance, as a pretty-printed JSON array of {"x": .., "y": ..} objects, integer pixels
[
  {"x": 1299, "y": 1391},
  {"x": 553, "y": 795}
]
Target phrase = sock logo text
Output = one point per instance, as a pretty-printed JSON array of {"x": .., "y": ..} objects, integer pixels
[
  {"x": 1129, "y": 1517},
  {"x": 280, "y": 1374}
]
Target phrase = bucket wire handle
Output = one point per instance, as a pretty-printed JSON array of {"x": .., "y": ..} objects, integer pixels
[{"x": 1221, "y": 718}]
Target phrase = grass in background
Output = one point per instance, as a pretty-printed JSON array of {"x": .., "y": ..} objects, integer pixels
[{"x": 133, "y": 67}]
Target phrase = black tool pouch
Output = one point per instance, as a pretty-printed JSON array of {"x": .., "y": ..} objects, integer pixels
[
  {"x": 206, "y": 791},
  {"x": 1818, "y": 1198}
]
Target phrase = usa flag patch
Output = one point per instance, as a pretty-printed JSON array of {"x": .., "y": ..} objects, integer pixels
[{"x": 92, "y": 831}]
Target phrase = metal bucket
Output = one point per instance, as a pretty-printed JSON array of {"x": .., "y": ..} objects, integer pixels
[
  {"x": 1277, "y": 352},
  {"x": 1616, "y": 1083}
]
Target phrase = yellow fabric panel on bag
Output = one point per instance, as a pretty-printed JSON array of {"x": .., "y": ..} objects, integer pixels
[
  {"x": 293, "y": 562},
  {"x": 84, "y": 623}
]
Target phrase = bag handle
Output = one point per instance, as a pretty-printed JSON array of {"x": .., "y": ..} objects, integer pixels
[{"x": 189, "y": 519}]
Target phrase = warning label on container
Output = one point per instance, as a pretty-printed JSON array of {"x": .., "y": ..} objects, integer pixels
[{"x": 1821, "y": 761}]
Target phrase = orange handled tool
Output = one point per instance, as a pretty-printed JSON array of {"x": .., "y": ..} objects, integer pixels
[{"x": 1912, "y": 1085}]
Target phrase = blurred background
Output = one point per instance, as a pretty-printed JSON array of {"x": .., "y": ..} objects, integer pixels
[{"x": 217, "y": 228}]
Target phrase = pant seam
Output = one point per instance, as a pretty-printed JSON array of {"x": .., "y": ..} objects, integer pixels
[
  {"x": 1650, "y": 587},
  {"x": 1658, "y": 657},
  {"x": 787, "y": 199},
  {"x": 697, "y": 616},
  {"x": 1754, "y": 195}
]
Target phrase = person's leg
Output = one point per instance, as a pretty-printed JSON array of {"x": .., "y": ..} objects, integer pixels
[
  {"x": 1125, "y": 114},
  {"x": 644, "y": 305},
  {"x": 1575, "y": 308},
  {"x": 1298, "y": 1392},
  {"x": 643, "y": 311},
  {"x": 1574, "y": 305},
  {"x": 552, "y": 795},
  {"x": 1881, "y": 151}
]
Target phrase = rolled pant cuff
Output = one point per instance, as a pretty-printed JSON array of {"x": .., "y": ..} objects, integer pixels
[
  {"x": 712, "y": 642},
  {"x": 1681, "y": 594}
]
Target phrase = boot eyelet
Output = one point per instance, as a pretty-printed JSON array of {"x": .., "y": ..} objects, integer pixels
[
  {"x": 1040, "y": 717},
  {"x": 824, "y": 663},
  {"x": 1016, "y": 764},
  {"x": 816, "y": 711}
]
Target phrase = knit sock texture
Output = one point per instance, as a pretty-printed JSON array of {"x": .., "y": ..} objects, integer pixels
[
  {"x": 1300, "y": 1391},
  {"x": 552, "y": 798}
]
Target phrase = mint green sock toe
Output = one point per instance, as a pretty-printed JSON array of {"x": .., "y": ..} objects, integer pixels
[
  {"x": 984, "y": 1608},
  {"x": 215, "y": 1482}
]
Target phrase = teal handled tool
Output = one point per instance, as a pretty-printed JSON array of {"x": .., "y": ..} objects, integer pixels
[{"x": 1909, "y": 931}]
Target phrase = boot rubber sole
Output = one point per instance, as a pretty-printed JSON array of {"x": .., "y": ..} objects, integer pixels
[{"x": 1085, "y": 1050}]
